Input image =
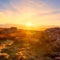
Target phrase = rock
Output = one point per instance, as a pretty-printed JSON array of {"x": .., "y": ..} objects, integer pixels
[
  {"x": 57, "y": 58},
  {"x": 52, "y": 34}
]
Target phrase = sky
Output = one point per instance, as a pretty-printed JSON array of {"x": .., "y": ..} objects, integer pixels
[{"x": 37, "y": 12}]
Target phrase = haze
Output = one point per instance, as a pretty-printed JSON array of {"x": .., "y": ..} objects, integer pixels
[{"x": 37, "y": 12}]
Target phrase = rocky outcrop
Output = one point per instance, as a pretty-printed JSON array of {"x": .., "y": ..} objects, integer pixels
[
  {"x": 52, "y": 40},
  {"x": 52, "y": 34}
]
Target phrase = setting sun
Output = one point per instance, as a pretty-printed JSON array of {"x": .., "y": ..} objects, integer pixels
[{"x": 28, "y": 24}]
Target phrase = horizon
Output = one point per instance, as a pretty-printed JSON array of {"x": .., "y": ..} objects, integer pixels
[{"x": 25, "y": 27}]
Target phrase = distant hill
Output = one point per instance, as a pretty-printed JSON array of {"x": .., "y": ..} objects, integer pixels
[
  {"x": 25, "y": 27},
  {"x": 10, "y": 25}
]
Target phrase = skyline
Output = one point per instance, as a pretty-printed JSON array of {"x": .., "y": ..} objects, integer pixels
[{"x": 37, "y": 12}]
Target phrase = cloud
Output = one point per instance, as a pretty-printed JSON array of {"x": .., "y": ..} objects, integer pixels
[
  {"x": 36, "y": 11},
  {"x": 3, "y": 18}
]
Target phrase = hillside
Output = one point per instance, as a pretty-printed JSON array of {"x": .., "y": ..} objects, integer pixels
[{"x": 17, "y": 44}]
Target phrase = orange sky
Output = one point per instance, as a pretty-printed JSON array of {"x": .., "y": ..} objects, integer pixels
[{"x": 37, "y": 12}]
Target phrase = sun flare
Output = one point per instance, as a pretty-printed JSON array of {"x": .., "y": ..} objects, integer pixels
[{"x": 28, "y": 24}]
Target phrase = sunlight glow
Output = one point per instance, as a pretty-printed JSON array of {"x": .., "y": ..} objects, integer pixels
[{"x": 28, "y": 24}]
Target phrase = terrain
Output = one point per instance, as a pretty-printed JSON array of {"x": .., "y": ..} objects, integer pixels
[{"x": 19, "y": 44}]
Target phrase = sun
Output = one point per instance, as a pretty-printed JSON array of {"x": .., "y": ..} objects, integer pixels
[{"x": 28, "y": 24}]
